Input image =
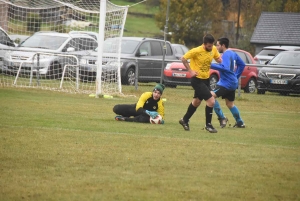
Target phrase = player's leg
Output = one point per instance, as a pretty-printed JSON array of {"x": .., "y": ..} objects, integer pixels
[
  {"x": 234, "y": 110},
  {"x": 140, "y": 119},
  {"x": 124, "y": 110},
  {"x": 210, "y": 101},
  {"x": 218, "y": 92},
  {"x": 192, "y": 107}
]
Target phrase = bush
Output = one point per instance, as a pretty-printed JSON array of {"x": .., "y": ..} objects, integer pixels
[{"x": 33, "y": 22}]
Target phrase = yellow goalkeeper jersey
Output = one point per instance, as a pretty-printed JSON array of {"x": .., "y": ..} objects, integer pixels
[
  {"x": 200, "y": 60},
  {"x": 147, "y": 102}
]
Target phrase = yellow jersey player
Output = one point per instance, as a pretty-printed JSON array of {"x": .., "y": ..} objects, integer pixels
[{"x": 200, "y": 60}]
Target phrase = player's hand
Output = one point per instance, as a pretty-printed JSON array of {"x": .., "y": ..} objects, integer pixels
[
  {"x": 193, "y": 73},
  {"x": 152, "y": 114}
]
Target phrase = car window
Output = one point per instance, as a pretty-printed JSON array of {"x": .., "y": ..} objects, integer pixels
[
  {"x": 185, "y": 49},
  {"x": 243, "y": 56},
  {"x": 86, "y": 44},
  {"x": 145, "y": 47},
  {"x": 156, "y": 48},
  {"x": 128, "y": 46},
  {"x": 4, "y": 39},
  {"x": 178, "y": 50},
  {"x": 169, "y": 50},
  {"x": 287, "y": 58},
  {"x": 269, "y": 52},
  {"x": 44, "y": 41}
]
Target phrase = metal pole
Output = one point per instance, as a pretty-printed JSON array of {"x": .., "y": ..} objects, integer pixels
[
  {"x": 102, "y": 17},
  {"x": 165, "y": 44},
  {"x": 38, "y": 70},
  {"x": 136, "y": 74}
]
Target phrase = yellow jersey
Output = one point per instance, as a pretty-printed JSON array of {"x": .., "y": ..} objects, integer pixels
[
  {"x": 147, "y": 102},
  {"x": 200, "y": 60}
]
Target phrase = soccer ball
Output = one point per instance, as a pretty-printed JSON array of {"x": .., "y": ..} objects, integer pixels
[{"x": 156, "y": 120}]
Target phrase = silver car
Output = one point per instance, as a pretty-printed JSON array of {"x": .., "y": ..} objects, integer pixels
[
  {"x": 52, "y": 47},
  {"x": 6, "y": 43},
  {"x": 267, "y": 53}
]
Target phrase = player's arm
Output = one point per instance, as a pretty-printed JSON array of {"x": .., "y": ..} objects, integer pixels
[
  {"x": 141, "y": 102},
  {"x": 161, "y": 108},
  {"x": 240, "y": 66},
  {"x": 185, "y": 62},
  {"x": 224, "y": 65}
]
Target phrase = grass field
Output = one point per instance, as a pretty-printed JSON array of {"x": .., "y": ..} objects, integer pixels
[{"x": 57, "y": 146}]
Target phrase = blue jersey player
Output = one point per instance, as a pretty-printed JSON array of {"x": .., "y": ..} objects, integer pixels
[{"x": 230, "y": 70}]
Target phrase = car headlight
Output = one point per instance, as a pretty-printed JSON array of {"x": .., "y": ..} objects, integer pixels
[
  {"x": 262, "y": 74},
  {"x": 7, "y": 55},
  {"x": 114, "y": 64},
  {"x": 168, "y": 66}
]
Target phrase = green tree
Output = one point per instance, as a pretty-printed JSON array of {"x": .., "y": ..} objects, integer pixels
[{"x": 190, "y": 20}]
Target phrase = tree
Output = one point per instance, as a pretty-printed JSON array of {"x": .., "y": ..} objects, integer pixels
[{"x": 190, "y": 20}]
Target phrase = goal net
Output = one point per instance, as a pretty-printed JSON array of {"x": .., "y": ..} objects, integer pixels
[{"x": 53, "y": 44}]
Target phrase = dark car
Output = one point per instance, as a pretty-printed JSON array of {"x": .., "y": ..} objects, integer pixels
[
  {"x": 176, "y": 74},
  {"x": 282, "y": 74},
  {"x": 144, "y": 53},
  {"x": 179, "y": 50}
]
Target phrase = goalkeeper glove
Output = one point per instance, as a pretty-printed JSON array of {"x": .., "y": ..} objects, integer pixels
[
  {"x": 152, "y": 114},
  {"x": 162, "y": 121}
]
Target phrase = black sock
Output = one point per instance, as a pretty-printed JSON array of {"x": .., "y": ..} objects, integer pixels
[
  {"x": 189, "y": 113},
  {"x": 208, "y": 114}
]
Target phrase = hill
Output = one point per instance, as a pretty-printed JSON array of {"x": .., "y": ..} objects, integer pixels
[{"x": 140, "y": 20}]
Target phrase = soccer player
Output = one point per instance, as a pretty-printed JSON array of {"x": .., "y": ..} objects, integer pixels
[
  {"x": 149, "y": 105},
  {"x": 230, "y": 70},
  {"x": 200, "y": 60}
]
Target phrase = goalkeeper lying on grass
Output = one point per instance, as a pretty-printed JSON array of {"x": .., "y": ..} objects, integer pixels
[{"x": 149, "y": 105}]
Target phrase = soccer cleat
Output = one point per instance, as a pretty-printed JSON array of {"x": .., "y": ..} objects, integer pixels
[
  {"x": 184, "y": 125},
  {"x": 120, "y": 118},
  {"x": 239, "y": 125},
  {"x": 210, "y": 128},
  {"x": 223, "y": 122}
]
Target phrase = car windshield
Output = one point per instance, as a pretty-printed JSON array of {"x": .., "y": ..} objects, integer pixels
[
  {"x": 287, "y": 58},
  {"x": 267, "y": 52},
  {"x": 127, "y": 47},
  {"x": 44, "y": 42}
]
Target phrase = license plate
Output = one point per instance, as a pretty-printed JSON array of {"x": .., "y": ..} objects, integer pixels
[
  {"x": 179, "y": 75},
  {"x": 279, "y": 81}
]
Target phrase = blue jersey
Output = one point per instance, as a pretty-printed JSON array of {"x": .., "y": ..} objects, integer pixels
[{"x": 230, "y": 69}]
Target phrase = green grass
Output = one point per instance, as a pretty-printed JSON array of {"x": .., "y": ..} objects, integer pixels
[{"x": 57, "y": 146}]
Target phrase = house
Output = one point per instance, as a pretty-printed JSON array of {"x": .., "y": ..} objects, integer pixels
[{"x": 276, "y": 28}]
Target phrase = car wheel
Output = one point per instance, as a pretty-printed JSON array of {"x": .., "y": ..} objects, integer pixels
[
  {"x": 251, "y": 86},
  {"x": 213, "y": 79},
  {"x": 259, "y": 91},
  {"x": 54, "y": 71},
  {"x": 130, "y": 77}
]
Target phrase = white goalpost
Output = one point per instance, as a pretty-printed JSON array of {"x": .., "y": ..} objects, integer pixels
[{"x": 53, "y": 44}]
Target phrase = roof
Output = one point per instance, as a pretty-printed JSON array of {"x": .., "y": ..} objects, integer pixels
[{"x": 277, "y": 28}]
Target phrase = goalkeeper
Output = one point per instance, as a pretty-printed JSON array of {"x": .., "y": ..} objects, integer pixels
[{"x": 149, "y": 105}]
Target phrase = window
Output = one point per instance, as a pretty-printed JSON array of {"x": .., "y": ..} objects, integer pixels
[
  {"x": 169, "y": 50},
  {"x": 243, "y": 57},
  {"x": 156, "y": 48},
  {"x": 145, "y": 48}
]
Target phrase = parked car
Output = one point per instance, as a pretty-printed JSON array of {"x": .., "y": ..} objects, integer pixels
[
  {"x": 283, "y": 80},
  {"x": 47, "y": 42},
  {"x": 176, "y": 74},
  {"x": 180, "y": 50},
  {"x": 144, "y": 53},
  {"x": 267, "y": 53},
  {"x": 6, "y": 44}
]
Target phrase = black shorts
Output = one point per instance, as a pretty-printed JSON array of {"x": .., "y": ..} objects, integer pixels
[
  {"x": 225, "y": 93},
  {"x": 202, "y": 88}
]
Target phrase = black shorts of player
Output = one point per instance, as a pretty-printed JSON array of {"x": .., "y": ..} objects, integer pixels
[
  {"x": 225, "y": 93},
  {"x": 201, "y": 87}
]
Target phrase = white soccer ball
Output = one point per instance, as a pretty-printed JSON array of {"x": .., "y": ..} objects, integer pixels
[{"x": 156, "y": 120}]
